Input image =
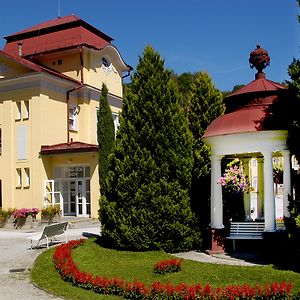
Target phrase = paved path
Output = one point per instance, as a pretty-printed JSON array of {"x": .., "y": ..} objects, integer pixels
[
  {"x": 235, "y": 259},
  {"x": 16, "y": 260}
]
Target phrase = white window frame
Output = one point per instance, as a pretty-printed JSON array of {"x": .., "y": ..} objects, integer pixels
[
  {"x": 26, "y": 110},
  {"x": 27, "y": 177},
  {"x": 116, "y": 121},
  {"x": 49, "y": 193},
  {"x": 18, "y": 111},
  {"x": 73, "y": 118},
  {"x": 19, "y": 178}
]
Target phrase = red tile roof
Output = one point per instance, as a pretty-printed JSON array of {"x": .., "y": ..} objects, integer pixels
[
  {"x": 60, "y": 33},
  {"x": 47, "y": 24},
  {"x": 244, "y": 120},
  {"x": 35, "y": 67},
  {"x": 22, "y": 61},
  {"x": 259, "y": 85},
  {"x": 246, "y": 109},
  {"x": 72, "y": 147}
]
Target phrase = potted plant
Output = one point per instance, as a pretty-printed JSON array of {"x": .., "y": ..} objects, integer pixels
[
  {"x": 51, "y": 213},
  {"x": 4, "y": 216},
  {"x": 20, "y": 216}
]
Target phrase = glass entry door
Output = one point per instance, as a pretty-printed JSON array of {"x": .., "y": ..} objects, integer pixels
[
  {"x": 74, "y": 198},
  {"x": 73, "y": 185}
]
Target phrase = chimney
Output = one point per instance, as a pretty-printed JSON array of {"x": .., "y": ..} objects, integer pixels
[{"x": 20, "y": 44}]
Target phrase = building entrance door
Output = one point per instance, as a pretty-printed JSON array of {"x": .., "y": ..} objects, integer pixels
[
  {"x": 71, "y": 189},
  {"x": 75, "y": 200}
]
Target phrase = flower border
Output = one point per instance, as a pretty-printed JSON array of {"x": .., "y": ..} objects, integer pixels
[{"x": 69, "y": 272}]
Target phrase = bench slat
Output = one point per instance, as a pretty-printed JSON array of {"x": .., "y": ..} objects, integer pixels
[
  {"x": 49, "y": 232},
  {"x": 245, "y": 230}
]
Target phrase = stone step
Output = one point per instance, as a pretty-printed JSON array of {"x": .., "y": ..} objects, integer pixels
[{"x": 81, "y": 222}]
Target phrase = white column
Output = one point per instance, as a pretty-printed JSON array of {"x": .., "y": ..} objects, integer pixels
[
  {"x": 269, "y": 199},
  {"x": 287, "y": 187},
  {"x": 216, "y": 193},
  {"x": 247, "y": 196},
  {"x": 260, "y": 188}
]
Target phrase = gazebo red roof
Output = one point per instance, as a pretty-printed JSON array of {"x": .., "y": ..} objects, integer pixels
[
  {"x": 259, "y": 85},
  {"x": 60, "y": 33},
  {"x": 250, "y": 108},
  {"x": 65, "y": 148},
  {"x": 244, "y": 120},
  {"x": 246, "y": 109}
]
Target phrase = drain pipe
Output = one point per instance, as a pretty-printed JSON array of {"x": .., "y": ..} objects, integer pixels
[{"x": 72, "y": 90}]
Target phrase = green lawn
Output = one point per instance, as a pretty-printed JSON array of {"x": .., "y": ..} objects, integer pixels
[{"x": 128, "y": 265}]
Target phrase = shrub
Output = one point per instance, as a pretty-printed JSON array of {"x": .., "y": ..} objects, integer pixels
[
  {"x": 5, "y": 214},
  {"x": 50, "y": 211}
]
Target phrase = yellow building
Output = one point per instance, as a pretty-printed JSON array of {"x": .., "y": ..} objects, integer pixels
[{"x": 50, "y": 84}]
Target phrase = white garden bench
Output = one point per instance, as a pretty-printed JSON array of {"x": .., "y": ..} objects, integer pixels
[
  {"x": 49, "y": 232},
  {"x": 246, "y": 231}
]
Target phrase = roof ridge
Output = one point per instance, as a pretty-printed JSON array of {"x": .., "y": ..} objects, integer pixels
[{"x": 53, "y": 22}]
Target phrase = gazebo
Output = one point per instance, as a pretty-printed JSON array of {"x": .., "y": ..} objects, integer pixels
[{"x": 245, "y": 131}]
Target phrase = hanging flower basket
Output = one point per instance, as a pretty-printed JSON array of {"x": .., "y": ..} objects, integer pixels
[{"x": 235, "y": 181}]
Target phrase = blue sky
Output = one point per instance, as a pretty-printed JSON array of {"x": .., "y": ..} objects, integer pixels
[{"x": 191, "y": 35}]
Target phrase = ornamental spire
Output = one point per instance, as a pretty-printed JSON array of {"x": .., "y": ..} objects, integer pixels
[{"x": 259, "y": 59}]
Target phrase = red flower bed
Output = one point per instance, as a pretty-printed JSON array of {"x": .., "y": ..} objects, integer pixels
[
  {"x": 69, "y": 271},
  {"x": 168, "y": 266}
]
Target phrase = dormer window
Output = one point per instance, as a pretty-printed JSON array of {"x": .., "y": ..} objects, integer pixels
[{"x": 106, "y": 63}]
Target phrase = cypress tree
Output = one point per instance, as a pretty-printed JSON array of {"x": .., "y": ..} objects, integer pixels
[
  {"x": 106, "y": 137},
  {"x": 147, "y": 205},
  {"x": 205, "y": 103}
]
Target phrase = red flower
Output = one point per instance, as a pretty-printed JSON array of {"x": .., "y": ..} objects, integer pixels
[
  {"x": 168, "y": 266},
  {"x": 69, "y": 271}
]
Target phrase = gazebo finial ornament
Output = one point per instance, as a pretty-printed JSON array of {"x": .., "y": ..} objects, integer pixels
[{"x": 259, "y": 59}]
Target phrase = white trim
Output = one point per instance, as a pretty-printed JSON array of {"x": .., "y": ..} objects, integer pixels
[
  {"x": 249, "y": 142},
  {"x": 114, "y": 54},
  {"x": 36, "y": 80}
]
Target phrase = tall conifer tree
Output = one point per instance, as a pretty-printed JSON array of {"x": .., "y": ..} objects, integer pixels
[
  {"x": 147, "y": 205},
  {"x": 205, "y": 103},
  {"x": 106, "y": 137}
]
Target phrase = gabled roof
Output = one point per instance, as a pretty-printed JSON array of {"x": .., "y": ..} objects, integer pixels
[
  {"x": 22, "y": 61},
  {"x": 35, "y": 67},
  {"x": 65, "y": 148},
  {"x": 60, "y": 33}
]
